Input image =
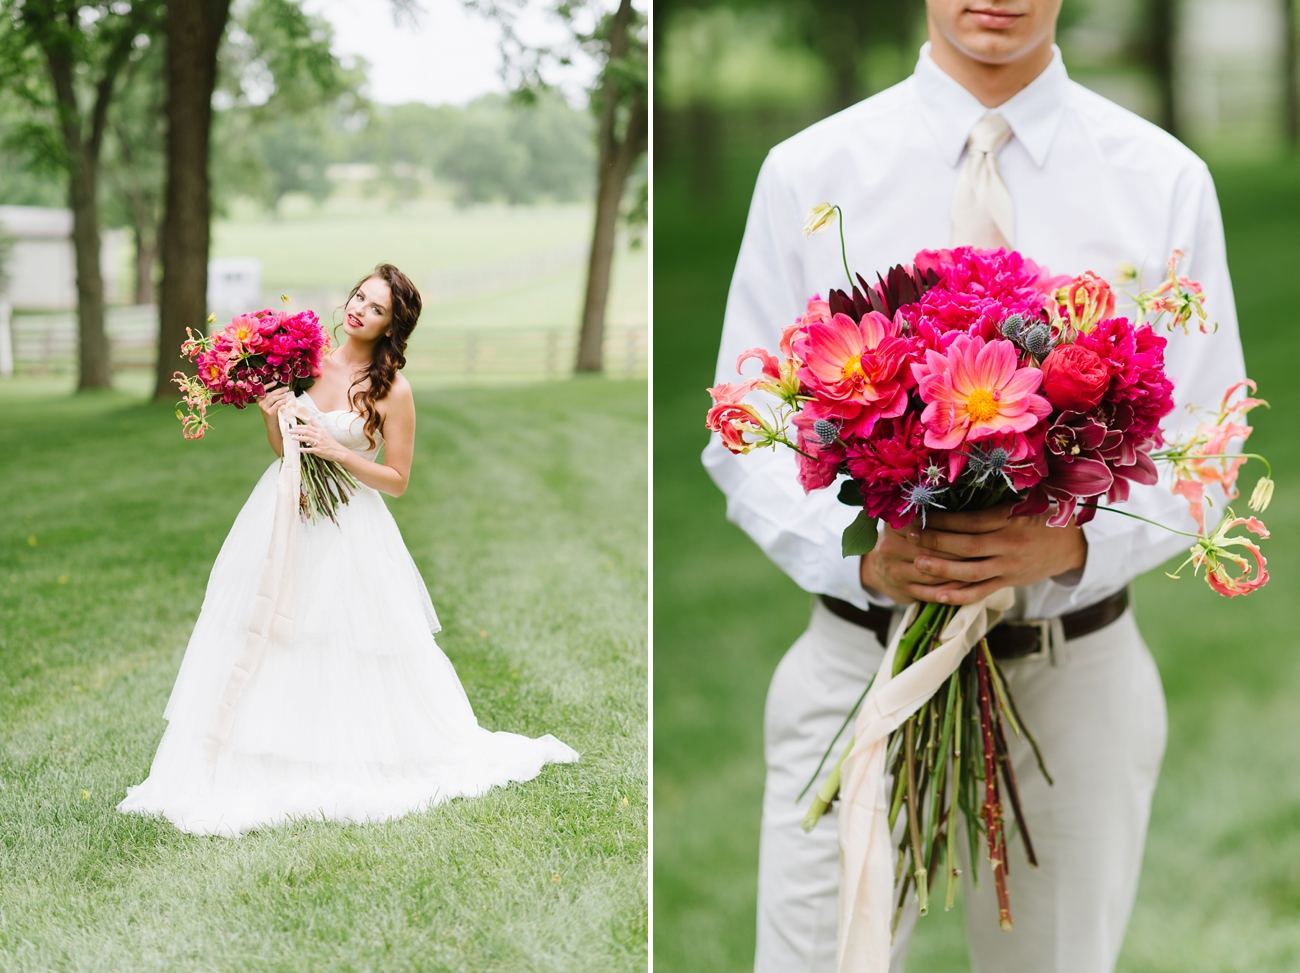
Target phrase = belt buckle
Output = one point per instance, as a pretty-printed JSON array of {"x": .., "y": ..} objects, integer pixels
[{"x": 1044, "y": 626}]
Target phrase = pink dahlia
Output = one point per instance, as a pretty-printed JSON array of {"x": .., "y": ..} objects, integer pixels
[
  {"x": 976, "y": 391},
  {"x": 243, "y": 329},
  {"x": 857, "y": 371}
]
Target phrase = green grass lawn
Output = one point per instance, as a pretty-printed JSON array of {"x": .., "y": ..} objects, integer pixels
[
  {"x": 1221, "y": 883},
  {"x": 523, "y": 265},
  {"x": 526, "y": 514}
]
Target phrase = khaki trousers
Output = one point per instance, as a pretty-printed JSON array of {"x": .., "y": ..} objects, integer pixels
[{"x": 1097, "y": 711}]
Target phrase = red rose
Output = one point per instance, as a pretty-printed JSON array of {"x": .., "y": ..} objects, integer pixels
[{"x": 1074, "y": 378}]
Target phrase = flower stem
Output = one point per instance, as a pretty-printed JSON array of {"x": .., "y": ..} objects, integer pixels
[
  {"x": 992, "y": 803},
  {"x": 1170, "y": 456},
  {"x": 843, "y": 726},
  {"x": 844, "y": 252},
  {"x": 1153, "y": 523},
  {"x": 913, "y": 816},
  {"x": 950, "y": 851}
]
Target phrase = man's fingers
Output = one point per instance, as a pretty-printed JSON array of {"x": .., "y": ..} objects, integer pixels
[
  {"x": 931, "y": 592},
  {"x": 956, "y": 544},
  {"x": 905, "y": 574},
  {"x": 970, "y": 572},
  {"x": 966, "y": 594},
  {"x": 967, "y": 522}
]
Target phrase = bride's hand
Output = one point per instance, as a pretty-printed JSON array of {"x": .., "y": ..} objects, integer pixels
[
  {"x": 312, "y": 438},
  {"x": 272, "y": 402}
]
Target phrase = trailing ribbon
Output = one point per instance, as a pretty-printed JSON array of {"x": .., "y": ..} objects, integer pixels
[
  {"x": 866, "y": 851},
  {"x": 272, "y": 618}
]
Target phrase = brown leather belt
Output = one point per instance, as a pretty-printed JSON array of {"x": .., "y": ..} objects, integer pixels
[{"x": 1009, "y": 639}]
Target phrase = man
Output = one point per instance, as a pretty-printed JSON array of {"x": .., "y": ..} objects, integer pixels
[{"x": 988, "y": 143}]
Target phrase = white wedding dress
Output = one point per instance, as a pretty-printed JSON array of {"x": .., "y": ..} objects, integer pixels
[{"x": 354, "y": 715}]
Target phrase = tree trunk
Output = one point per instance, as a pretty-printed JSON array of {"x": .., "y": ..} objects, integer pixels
[
  {"x": 95, "y": 370},
  {"x": 841, "y": 51},
  {"x": 1290, "y": 82},
  {"x": 1161, "y": 35},
  {"x": 83, "y": 162},
  {"x": 704, "y": 135},
  {"x": 146, "y": 251},
  {"x": 609, "y": 193},
  {"x": 194, "y": 31},
  {"x": 83, "y": 147},
  {"x": 615, "y": 160}
]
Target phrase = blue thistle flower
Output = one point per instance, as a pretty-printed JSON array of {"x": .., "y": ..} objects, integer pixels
[
  {"x": 921, "y": 497},
  {"x": 1013, "y": 327},
  {"x": 826, "y": 431},
  {"x": 983, "y": 465},
  {"x": 1038, "y": 339}
]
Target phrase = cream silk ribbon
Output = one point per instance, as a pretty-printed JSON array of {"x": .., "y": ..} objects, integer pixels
[
  {"x": 982, "y": 212},
  {"x": 866, "y": 849},
  {"x": 272, "y": 618}
]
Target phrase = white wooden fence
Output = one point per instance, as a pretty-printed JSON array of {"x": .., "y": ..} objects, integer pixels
[{"x": 46, "y": 344}]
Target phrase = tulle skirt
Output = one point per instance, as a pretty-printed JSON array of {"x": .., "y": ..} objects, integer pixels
[{"x": 360, "y": 718}]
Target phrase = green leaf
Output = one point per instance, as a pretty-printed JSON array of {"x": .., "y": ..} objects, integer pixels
[
  {"x": 859, "y": 536},
  {"x": 850, "y": 493}
]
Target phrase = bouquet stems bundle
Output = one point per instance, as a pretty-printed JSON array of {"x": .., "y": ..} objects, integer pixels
[
  {"x": 950, "y": 754},
  {"x": 326, "y": 486}
]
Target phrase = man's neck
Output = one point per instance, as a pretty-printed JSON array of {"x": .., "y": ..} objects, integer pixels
[{"x": 991, "y": 84}]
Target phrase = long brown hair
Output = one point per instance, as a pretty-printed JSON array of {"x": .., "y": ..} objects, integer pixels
[{"x": 390, "y": 351}]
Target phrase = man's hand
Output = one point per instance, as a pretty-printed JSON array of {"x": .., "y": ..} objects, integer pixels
[
  {"x": 960, "y": 558},
  {"x": 891, "y": 569}
]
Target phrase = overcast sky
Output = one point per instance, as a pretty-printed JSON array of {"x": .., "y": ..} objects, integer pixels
[{"x": 450, "y": 58}]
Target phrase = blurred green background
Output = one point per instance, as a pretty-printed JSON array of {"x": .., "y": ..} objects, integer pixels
[
  {"x": 487, "y": 203},
  {"x": 1221, "y": 881}
]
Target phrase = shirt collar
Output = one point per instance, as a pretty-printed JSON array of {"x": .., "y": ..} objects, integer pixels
[{"x": 950, "y": 111}]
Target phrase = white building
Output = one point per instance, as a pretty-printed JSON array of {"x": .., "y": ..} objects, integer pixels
[{"x": 41, "y": 269}]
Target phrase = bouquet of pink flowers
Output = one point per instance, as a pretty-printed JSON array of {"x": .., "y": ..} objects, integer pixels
[
  {"x": 239, "y": 364},
  {"x": 969, "y": 379}
]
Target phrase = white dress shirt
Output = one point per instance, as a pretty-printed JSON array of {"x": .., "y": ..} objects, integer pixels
[{"x": 1094, "y": 187}]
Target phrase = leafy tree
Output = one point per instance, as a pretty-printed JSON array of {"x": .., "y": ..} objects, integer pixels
[
  {"x": 279, "y": 94},
  {"x": 1290, "y": 81},
  {"x": 497, "y": 148},
  {"x": 31, "y": 170},
  {"x": 1158, "y": 26},
  {"x": 494, "y": 148},
  {"x": 482, "y": 160},
  {"x": 618, "y": 42},
  {"x": 134, "y": 161},
  {"x": 560, "y": 148},
  {"x": 194, "y": 32},
  {"x": 276, "y": 72},
  {"x": 843, "y": 32},
  {"x": 64, "y": 59}
]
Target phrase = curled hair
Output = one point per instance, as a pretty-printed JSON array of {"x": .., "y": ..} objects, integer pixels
[{"x": 390, "y": 350}]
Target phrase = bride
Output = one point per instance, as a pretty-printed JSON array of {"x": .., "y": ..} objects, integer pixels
[{"x": 341, "y": 706}]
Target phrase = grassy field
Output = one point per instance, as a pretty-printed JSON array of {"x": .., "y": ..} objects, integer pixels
[
  {"x": 526, "y": 515},
  {"x": 1221, "y": 883},
  {"x": 481, "y": 267}
]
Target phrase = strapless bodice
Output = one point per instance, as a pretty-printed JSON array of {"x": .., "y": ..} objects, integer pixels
[{"x": 347, "y": 427}]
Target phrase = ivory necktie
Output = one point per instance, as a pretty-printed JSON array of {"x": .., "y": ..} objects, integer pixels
[{"x": 982, "y": 215}]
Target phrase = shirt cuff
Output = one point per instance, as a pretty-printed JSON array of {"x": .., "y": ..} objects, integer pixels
[{"x": 1101, "y": 570}]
